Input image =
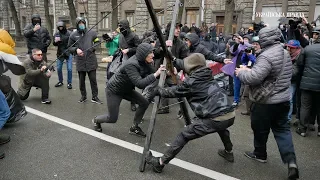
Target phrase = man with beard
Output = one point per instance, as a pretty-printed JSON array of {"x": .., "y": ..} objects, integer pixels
[
  {"x": 37, "y": 36},
  {"x": 61, "y": 39}
]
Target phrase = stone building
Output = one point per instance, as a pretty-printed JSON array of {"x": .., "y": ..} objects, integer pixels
[{"x": 135, "y": 11}]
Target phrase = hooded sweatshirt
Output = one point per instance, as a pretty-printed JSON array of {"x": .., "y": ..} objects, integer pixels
[
  {"x": 64, "y": 35},
  {"x": 39, "y": 39},
  {"x": 128, "y": 39},
  {"x": 134, "y": 72},
  {"x": 196, "y": 47},
  {"x": 84, "y": 40}
]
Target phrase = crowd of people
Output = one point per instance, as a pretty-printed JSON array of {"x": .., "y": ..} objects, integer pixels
[{"x": 277, "y": 68}]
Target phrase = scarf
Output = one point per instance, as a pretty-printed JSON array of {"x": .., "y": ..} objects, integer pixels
[{"x": 294, "y": 52}]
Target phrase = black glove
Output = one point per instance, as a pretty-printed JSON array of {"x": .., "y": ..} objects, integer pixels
[
  {"x": 155, "y": 92},
  {"x": 106, "y": 37}
]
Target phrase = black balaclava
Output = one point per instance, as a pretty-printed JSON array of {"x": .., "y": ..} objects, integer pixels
[
  {"x": 35, "y": 19},
  {"x": 61, "y": 24}
]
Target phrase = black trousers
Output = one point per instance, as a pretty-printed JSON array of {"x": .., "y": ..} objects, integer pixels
[
  {"x": 93, "y": 82},
  {"x": 113, "y": 104},
  {"x": 198, "y": 129},
  {"x": 41, "y": 82},
  {"x": 310, "y": 108},
  {"x": 272, "y": 116}
]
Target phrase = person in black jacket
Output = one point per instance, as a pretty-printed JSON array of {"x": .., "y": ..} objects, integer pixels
[
  {"x": 308, "y": 68},
  {"x": 194, "y": 45},
  {"x": 128, "y": 43},
  {"x": 61, "y": 39},
  {"x": 37, "y": 36},
  {"x": 211, "y": 45},
  {"x": 138, "y": 72},
  {"x": 214, "y": 111},
  {"x": 82, "y": 42}
]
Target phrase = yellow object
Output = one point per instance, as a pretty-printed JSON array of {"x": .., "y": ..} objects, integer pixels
[
  {"x": 251, "y": 28},
  {"x": 96, "y": 40},
  {"x": 7, "y": 44}
]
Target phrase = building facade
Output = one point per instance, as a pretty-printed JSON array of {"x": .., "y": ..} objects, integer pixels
[{"x": 195, "y": 11}]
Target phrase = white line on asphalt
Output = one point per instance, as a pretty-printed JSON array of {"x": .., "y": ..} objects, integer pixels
[{"x": 177, "y": 162}]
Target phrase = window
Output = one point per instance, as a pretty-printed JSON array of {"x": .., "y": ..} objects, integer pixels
[
  {"x": 23, "y": 3},
  {"x": 24, "y": 22},
  {"x": 317, "y": 10},
  {"x": 193, "y": 17},
  {"x": 105, "y": 22},
  {"x": 1, "y": 22},
  {"x": 220, "y": 25},
  {"x": 130, "y": 18},
  {"x": 37, "y": 2},
  {"x": 81, "y": 14},
  {"x": 272, "y": 21},
  {"x": 12, "y": 26}
]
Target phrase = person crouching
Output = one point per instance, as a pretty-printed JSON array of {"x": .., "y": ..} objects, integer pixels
[{"x": 35, "y": 76}]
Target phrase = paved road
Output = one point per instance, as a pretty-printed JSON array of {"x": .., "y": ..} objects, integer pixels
[{"x": 43, "y": 149}]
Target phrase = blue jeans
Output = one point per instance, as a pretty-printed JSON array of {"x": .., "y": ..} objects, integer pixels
[
  {"x": 4, "y": 110},
  {"x": 292, "y": 96},
  {"x": 275, "y": 117},
  {"x": 236, "y": 89},
  {"x": 69, "y": 69}
]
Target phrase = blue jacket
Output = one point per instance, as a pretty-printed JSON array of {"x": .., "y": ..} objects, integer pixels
[{"x": 246, "y": 58}]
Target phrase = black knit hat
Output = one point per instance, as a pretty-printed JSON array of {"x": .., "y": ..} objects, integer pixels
[
  {"x": 143, "y": 50},
  {"x": 195, "y": 60}
]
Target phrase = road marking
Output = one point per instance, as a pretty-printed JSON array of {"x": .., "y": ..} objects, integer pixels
[{"x": 177, "y": 162}]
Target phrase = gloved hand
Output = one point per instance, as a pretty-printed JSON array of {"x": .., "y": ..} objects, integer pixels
[
  {"x": 106, "y": 37},
  {"x": 154, "y": 92}
]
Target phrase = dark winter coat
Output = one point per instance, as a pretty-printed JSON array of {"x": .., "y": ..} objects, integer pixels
[
  {"x": 308, "y": 67},
  {"x": 213, "y": 47},
  {"x": 196, "y": 47},
  {"x": 88, "y": 62},
  {"x": 128, "y": 39},
  {"x": 185, "y": 29},
  {"x": 32, "y": 70},
  {"x": 135, "y": 72},
  {"x": 63, "y": 44},
  {"x": 203, "y": 93},
  {"x": 39, "y": 39}
]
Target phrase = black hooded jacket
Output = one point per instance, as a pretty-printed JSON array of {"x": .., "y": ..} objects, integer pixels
[
  {"x": 196, "y": 47},
  {"x": 203, "y": 93},
  {"x": 135, "y": 72},
  {"x": 64, "y": 35},
  {"x": 212, "y": 46},
  {"x": 128, "y": 39},
  {"x": 39, "y": 39},
  {"x": 84, "y": 40}
]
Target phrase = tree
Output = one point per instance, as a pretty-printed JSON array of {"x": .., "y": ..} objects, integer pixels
[
  {"x": 48, "y": 19},
  {"x": 72, "y": 11},
  {"x": 228, "y": 16},
  {"x": 15, "y": 19}
]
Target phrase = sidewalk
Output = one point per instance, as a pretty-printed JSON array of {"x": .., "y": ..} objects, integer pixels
[{"x": 51, "y": 55}]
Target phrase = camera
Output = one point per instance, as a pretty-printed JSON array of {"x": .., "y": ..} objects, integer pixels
[
  {"x": 106, "y": 37},
  {"x": 294, "y": 23},
  {"x": 249, "y": 49},
  {"x": 257, "y": 27}
]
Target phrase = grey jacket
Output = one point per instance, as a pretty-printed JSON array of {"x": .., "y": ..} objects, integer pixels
[{"x": 268, "y": 67}]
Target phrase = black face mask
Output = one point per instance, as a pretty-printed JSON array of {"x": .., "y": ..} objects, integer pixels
[
  {"x": 122, "y": 30},
  {"x": 36, "y": 21}
]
